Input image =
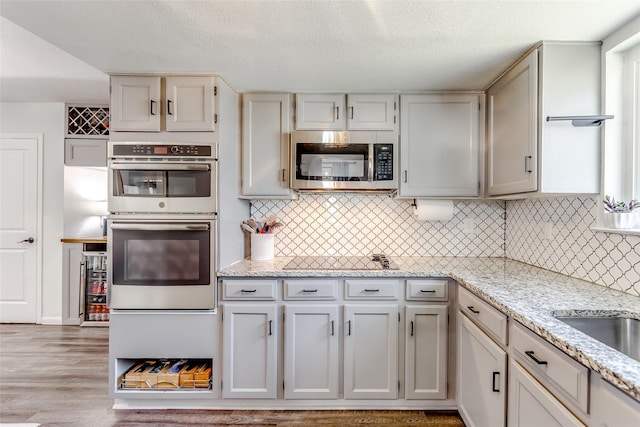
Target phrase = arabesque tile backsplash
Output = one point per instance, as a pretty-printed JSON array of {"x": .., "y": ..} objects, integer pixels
[
  {"x": 555, "y": 234},
  {"x": 550, "y": 233},
  {"x": 361, "y": 224}
]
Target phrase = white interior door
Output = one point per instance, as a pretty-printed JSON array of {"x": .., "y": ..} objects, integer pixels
[{"x": 19, "y": 213}]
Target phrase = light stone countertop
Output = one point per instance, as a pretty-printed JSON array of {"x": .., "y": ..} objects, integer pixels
[{"x": 526, "y": 293}]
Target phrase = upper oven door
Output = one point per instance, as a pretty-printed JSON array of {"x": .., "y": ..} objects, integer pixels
[{"x": 162, "y": 187}]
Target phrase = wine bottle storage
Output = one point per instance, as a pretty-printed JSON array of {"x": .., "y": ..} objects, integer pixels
[
  {"x": 96, "y": 312},
  {"x": 168, "y": 374},
  {"x": 86, "y": 120}
]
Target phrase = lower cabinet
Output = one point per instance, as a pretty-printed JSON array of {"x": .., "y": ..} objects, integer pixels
[
  {"x": 371, "y": 351},
  {"x": 531, "y": 405},
  {"x": 311, "y": 351},
  {"x": 425, "y": 368},
  {"x": 482, "y": 367},
  {"x": 249, "y": 351}
]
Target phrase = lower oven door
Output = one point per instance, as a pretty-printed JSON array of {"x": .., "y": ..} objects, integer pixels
[{"x": 161, "y": 264}]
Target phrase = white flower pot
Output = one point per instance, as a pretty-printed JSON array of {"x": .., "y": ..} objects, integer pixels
[{"x": 621, "y": 219}]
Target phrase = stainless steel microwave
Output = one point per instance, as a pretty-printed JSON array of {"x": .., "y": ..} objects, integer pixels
[{"x": 348, "y": 161}]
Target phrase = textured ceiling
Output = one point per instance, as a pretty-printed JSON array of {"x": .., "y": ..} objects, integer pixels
[{"x": 295, "y": 45}]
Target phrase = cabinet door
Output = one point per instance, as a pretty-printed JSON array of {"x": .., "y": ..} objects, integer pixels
[
  {"x": 311, "y": 352},
  {"x": 426, "y": 352},
  {"x": 73, "y": 302},
  {"x": 249, "y": 351},
  {"x": 482, "y": 366},
  {"x": 512, "y": 111},
  {"x": 135, "y": 104},
  {"x": 189, "y": 105},
  {"x": 371, "y": 351},
  {"x": 439, "y": 145},
  {"x": 265, "y": 145},
  {"x": 611, "y": 407},
  {"x": 320, "y": 111},
  {"x": 85, "y": 152},
  {"x": 371, "y": 112},
  {"x": 531, "y": 405}
]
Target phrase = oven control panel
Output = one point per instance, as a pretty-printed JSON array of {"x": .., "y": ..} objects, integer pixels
[{"x": 155, "y": 150}]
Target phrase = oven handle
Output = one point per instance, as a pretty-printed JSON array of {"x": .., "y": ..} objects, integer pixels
[
  {"x": 159, "y": 227},
  {"x": 161, "y": 166}
]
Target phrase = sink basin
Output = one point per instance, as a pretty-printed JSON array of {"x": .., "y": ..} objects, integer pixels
[{"x": 614, "y": 330}]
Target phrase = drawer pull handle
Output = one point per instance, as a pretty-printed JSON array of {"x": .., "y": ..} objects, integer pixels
[
  {"x": 431, "y": 291},
  {"x": 412, "y": 328},
  {"x": 349, "y": 328},
  {"x": 473, "y": 310},
  {"x": 493, "y": 383},
  {"x": 531, "y": 354},
  {"x": 309, "y": 291},
  {"x": 372, "y": 290},
  {"x": 270, "y": 324},
  {"x": 248, "y": 291},
  {"x": 332, "y": 328}
]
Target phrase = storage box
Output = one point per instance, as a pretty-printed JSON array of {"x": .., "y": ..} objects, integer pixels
[
  {"x": 202, "y": 375},
  {"x": 169, "y": 377},
  {"x": 136, "y": 376},
  {"x": 186, "y": 374}
]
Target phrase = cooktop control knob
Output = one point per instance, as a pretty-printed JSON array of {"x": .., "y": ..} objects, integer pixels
[{"x": 175, "y": 149}]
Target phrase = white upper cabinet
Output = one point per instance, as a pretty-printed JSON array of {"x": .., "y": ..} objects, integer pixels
[
  {"x": 441, "y": 136},
  {"x": 265, "y": 145},
  {"x": 328, "y": 111},
  {"x": 527, "y": 153},
  {"x": 139, "y": 104},
  {"x": 135, "y": 103},
  {"x": 189, "y": 105},
  {"x": 371, "y": 112}
]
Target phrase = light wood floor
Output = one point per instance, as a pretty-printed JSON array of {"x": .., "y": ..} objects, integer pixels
[{"x": 57, "y": 376}]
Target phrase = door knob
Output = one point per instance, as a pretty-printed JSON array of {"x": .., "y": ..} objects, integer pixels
[{"x": 29, "y": 240}]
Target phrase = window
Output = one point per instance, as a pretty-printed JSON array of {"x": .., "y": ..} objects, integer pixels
[{"x": 621, "y": 136}]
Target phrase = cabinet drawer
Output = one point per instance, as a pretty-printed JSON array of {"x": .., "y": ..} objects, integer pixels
[
  {"x": 427, "y": 290},
  {"x": 249, "y": 290},
  {"x": 550, "y": 366},
  {"x": 311, "y": 290},
  {"x": 371, "y": 289},
  {"x": 492, "y": 320}
]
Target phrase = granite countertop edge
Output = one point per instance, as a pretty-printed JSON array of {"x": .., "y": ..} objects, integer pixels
[{"x": 526, "y": 293}]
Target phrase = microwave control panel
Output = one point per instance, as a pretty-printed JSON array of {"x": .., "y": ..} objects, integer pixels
[
  {"x": 383, "y": 162},
  {"x": 155, "y": 150}
]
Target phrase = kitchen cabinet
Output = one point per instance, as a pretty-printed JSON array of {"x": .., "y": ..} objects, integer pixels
[
  {"x": 610, "y": 407},
  {"x": 482, "y": 380},
  {"x": 441, "y": 138},
  {"x": 249, "y": 350},
  {"x": 85, "y": 152},
  {"x": 528, "y": 154},
  {"x": 531, "y": 405},
  {"x": 139, "y": 104},
  {"x": 265, "y": 145},
  {"x": 371, "y": 351},
  {"x": 71, "y": 272},
  {"x": 426, "y": 351},
  {"x": 311, "y": 351},
  {"x": 362, "y": 112}
]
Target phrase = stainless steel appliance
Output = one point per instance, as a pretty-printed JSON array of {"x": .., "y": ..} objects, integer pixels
[
  {"x": 161, "y": 261},
  {"x": 162, "y": 177},
  {"x": 357, "y": 161},
  {"x": 373, "y": 262},
  {"x": 93, "y": 309}
]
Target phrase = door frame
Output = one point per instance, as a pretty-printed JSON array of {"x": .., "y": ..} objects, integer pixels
[{"x": 39, "y": 137}]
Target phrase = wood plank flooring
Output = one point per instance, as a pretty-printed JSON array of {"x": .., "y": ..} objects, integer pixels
[{"x": 57, "y": 376}]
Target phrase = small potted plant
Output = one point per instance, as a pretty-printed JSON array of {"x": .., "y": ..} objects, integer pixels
[{"x": 620, "y": 214}]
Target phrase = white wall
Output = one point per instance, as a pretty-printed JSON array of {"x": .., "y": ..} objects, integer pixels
[{"x": 46, "y": 119}]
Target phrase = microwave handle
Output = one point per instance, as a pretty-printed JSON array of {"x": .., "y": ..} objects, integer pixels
[
  {"x": 159, "y": 227},
  {"x": 160, "y": 166}
]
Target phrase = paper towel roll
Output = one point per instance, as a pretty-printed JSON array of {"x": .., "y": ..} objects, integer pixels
[{"x": 434, "y": 210}]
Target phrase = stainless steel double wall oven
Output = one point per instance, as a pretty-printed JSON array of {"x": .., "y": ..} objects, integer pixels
[{"x": 162, "y": 225}]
